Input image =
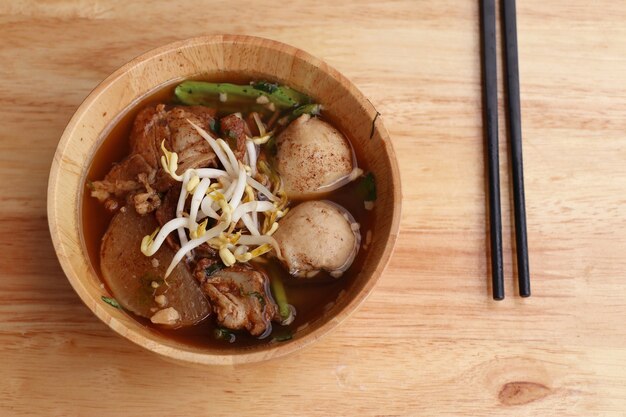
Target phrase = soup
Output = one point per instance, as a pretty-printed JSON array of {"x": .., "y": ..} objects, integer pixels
[{"x": 227, "y": 214}]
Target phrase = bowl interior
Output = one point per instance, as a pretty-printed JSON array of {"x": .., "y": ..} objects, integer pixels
[{"x": 210, "y": 57}]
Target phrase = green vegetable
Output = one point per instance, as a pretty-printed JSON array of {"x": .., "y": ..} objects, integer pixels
[
  {"x": 230, "y": 134},
  {"x": 213, "y": 268},
  {"x": 282, "y": 96},
  {"x": 312, "y": 109},
  {"x": 278, "y": 290},
  {"x": 224, "y": 334},
  {"x": 265, "y": 86},
  {"x": 214, "y": 125},
  {"x": 270, "y": 146},
  {"x": 111, "y": 301},
  {"x": 368, "y": 187},
  {"x": 202, "y": 93},
  {"x": 283, "y": 336},
  {"x": 144, "y": 295},
  {"x": 199, "y": 92},
  {"x": 231, "y": 138},
  {"x": 259, "y": 297}
]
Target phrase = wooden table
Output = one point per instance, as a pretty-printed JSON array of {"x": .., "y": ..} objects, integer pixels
[{"x": 429, "y": 341}]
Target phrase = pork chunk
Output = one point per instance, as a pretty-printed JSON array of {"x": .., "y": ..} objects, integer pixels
[
  {"x": 235, "y": 129},
  {"x": 153, "y": 125},
  {"x": 239, "y": 296}
]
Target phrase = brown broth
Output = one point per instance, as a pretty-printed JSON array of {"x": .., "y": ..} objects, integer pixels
[{"x": 309, "y": 297}]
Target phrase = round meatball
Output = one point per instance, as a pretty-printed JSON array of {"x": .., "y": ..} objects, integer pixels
[
  {"x": 318, "y": 235},
  {"x": 312, "y": 157}
]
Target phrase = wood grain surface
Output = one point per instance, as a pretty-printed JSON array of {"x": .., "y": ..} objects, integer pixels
[{"x": 429, "y": 340}]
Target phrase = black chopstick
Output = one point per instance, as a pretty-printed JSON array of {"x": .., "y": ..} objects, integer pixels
[
  {"x": 515, "y": 133},
  {"x": 490, "y": 108}
]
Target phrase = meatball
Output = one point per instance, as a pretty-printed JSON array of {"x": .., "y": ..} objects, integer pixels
[
  {"x": 318, "y": 235},
  {"x": 312, "y": 157}
]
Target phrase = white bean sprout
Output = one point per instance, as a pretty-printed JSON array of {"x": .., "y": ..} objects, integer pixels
[{"x": 228, "y": 198}]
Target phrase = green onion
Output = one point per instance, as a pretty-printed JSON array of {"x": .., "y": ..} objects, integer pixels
[
  {"x": 213, "y": 268},
  {"x": 224, "y": 334},
  {"x": 203, "y": 93},
  {"x": 270, "y": 146},
  {"x": 283, "y": 336},
  {"x": 111, "y": 301},
  {"x": 214, "y": 125},
  {"x": 280, "y": 296},
  {"x": 259, "y": 297},
  {"x": 265, "y": 86},
  {"x": 312, "y": 109},
  {"x": 368, "y": 187}
]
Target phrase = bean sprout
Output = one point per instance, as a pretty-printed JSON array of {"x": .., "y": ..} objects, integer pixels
[{"x": 223, "y": 197}]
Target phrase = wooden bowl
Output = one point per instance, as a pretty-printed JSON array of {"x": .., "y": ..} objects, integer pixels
[{"x": 208, "y": 57}]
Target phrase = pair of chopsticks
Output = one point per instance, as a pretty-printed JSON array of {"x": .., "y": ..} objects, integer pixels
[{"x": 490, "y": 86}]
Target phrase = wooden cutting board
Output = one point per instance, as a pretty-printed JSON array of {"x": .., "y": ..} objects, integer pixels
[{"x": 429, "y": 341}]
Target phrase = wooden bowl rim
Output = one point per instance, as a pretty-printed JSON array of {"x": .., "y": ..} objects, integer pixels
[{"x": 209, "y": 358}]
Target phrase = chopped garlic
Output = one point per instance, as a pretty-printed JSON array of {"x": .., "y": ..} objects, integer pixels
[
  {"x": 311, "y": 274},
  {"x": 161, "y": 300},
  {"x": 369, "y": 205},
  {"x": 368, "y": 240},
  {"x": 154, "y": 262},
  {"x": 356, "y": 173},
  {"x": 168, "y": 316},
  {"x": 154, "y": 284},
  {"x": 262, "y": 100},
  {"x": 336, "y": 274},
  {"x": 223, "y": 97}
]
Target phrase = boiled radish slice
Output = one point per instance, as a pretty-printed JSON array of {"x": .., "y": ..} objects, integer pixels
[{"x": 137, "y": 281}]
